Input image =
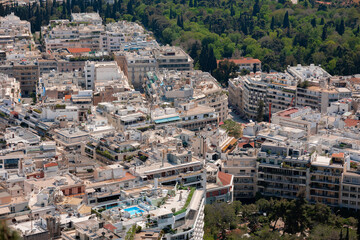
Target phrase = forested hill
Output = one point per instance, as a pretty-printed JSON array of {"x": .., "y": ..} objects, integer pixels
[{"x": 277, "y": 32}]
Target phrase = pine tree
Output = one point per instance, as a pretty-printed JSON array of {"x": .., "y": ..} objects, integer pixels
[
  {"x": 286, "y": 23},
  {"x": 195, "y": 3},
  {"x": 191, "y": 4},
  {"x": 322, "y": 21},
  {"x": 272, "y": 25}
]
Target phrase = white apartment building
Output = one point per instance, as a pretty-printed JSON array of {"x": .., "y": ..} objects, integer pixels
[
  {"x": 90, "y": 18},
  {"x": 102, "y": 72},
  {"x": 67, "y": 35}
]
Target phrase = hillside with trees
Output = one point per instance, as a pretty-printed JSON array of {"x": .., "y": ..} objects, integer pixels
[
  {"x": 278, "y": 219},
  {"x": 279, "y": 33}
]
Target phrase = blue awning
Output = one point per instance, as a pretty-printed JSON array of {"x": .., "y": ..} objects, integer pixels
[{"x": 165, "y": 120}]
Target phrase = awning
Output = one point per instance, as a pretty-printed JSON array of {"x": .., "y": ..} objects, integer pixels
[
  {"x": 4, "y": 210},
  {"x": 196, "y": 199},
  {"x": 22, "y": 218},
  {"x": 231, "y": 142},
  {"x": 164, "y": 120}
]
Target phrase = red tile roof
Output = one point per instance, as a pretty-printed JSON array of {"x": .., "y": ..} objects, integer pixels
[
  {"x": 79, "y": 50},
  {"x": 225, "y": 178},
  {"x": 288, "y": 112},
  {"x": 351, "y": 122},
  {"x": 52, "y": 164},
  {"x": 242, "y": 60},
  {"x": 110, "y": 227},
  {"x": 338, "y": 155}
]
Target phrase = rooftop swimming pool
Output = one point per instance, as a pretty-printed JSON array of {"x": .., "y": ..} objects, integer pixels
[{"x": 134, "y": 210}]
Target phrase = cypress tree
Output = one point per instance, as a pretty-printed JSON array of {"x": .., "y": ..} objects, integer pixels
[
  {"x": 63, "y": 16},
  {"x": 195, "y": 3},
  {"x": 232, "y": 11},
  {"x": 256, "y": 8},
  {"x": 191, "y": 4},
  {"x": 203, "y": 58},
  {"x": 313, "y": 22},
  {"x": 212, "y": 60},
  {"x": 322, "y": 21},
  {"x": 260, "y": 112},
  {"x": 324, "y": 33},
  {"x": 130, "y": 8},
  {"x": 286, "y": 23},
  {"x": 341, "y": 28},
  {"x": 272, "y": 25}
]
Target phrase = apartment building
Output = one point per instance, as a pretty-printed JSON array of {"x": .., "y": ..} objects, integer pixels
[
  {"x": 298, "y": 118},
  {"x": 173, "y": 58},
  {"x": 350, "y": 197},
  {"x": 14, "y": 29},
  {"x": 185, "y": 86},
  {"x": 89, "y": 18},
  {"x": 27, "y": 73},
  {"x": 56, "y": 85},
  {"x": 245, "y": 94},
  {"x": 326, "y": 176},
  {"x": 241, "y": 164},
  {"x": 102, "y": 72},
  {"x": 282, "y": 171},
  {"x": 68, "y": 35},
  {"x": 136, "y": 64},
  {"x": 276, "y": 89},
  {"x": 320, "y": 98},
  {"x": 126, "y": 36},
  {"x": 307, "y": 73}
]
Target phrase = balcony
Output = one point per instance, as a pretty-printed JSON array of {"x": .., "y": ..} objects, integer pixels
[{"x": 324, "y": 195}]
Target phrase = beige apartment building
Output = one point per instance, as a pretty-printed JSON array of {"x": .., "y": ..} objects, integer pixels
[
  {"x": 136, "y": 64},
  {"x": 27, "y": 73},
  {"x": 242, "y": 165}
]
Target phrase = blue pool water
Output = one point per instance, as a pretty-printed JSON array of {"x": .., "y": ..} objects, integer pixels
[{"x": 134, "y": 210}]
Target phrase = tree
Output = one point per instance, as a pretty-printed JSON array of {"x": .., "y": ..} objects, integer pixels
[
  {"x": 313, "y": 22},
  {"x": 203, "y": 58},
  {"x": 7, "y": 233},
  {"x": 286, "y": 22},
  {"x": 324, "y": 33},
  {"x": 225, "y": 71},
  {"x": 256, "y": 8},
  {"x": 341, "y": 27},
  {"x": 272, "y": 25},
  {"x": 129, "y": 6},
  {"x": 191, "y": 4},
  {"x": 266, "y": 68},
  {"x": 254, "y": 67},
  {"x": 260, "y": 111},
  {"x": 194, "y": 50},
  {"x": 212, "y": 60}
]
